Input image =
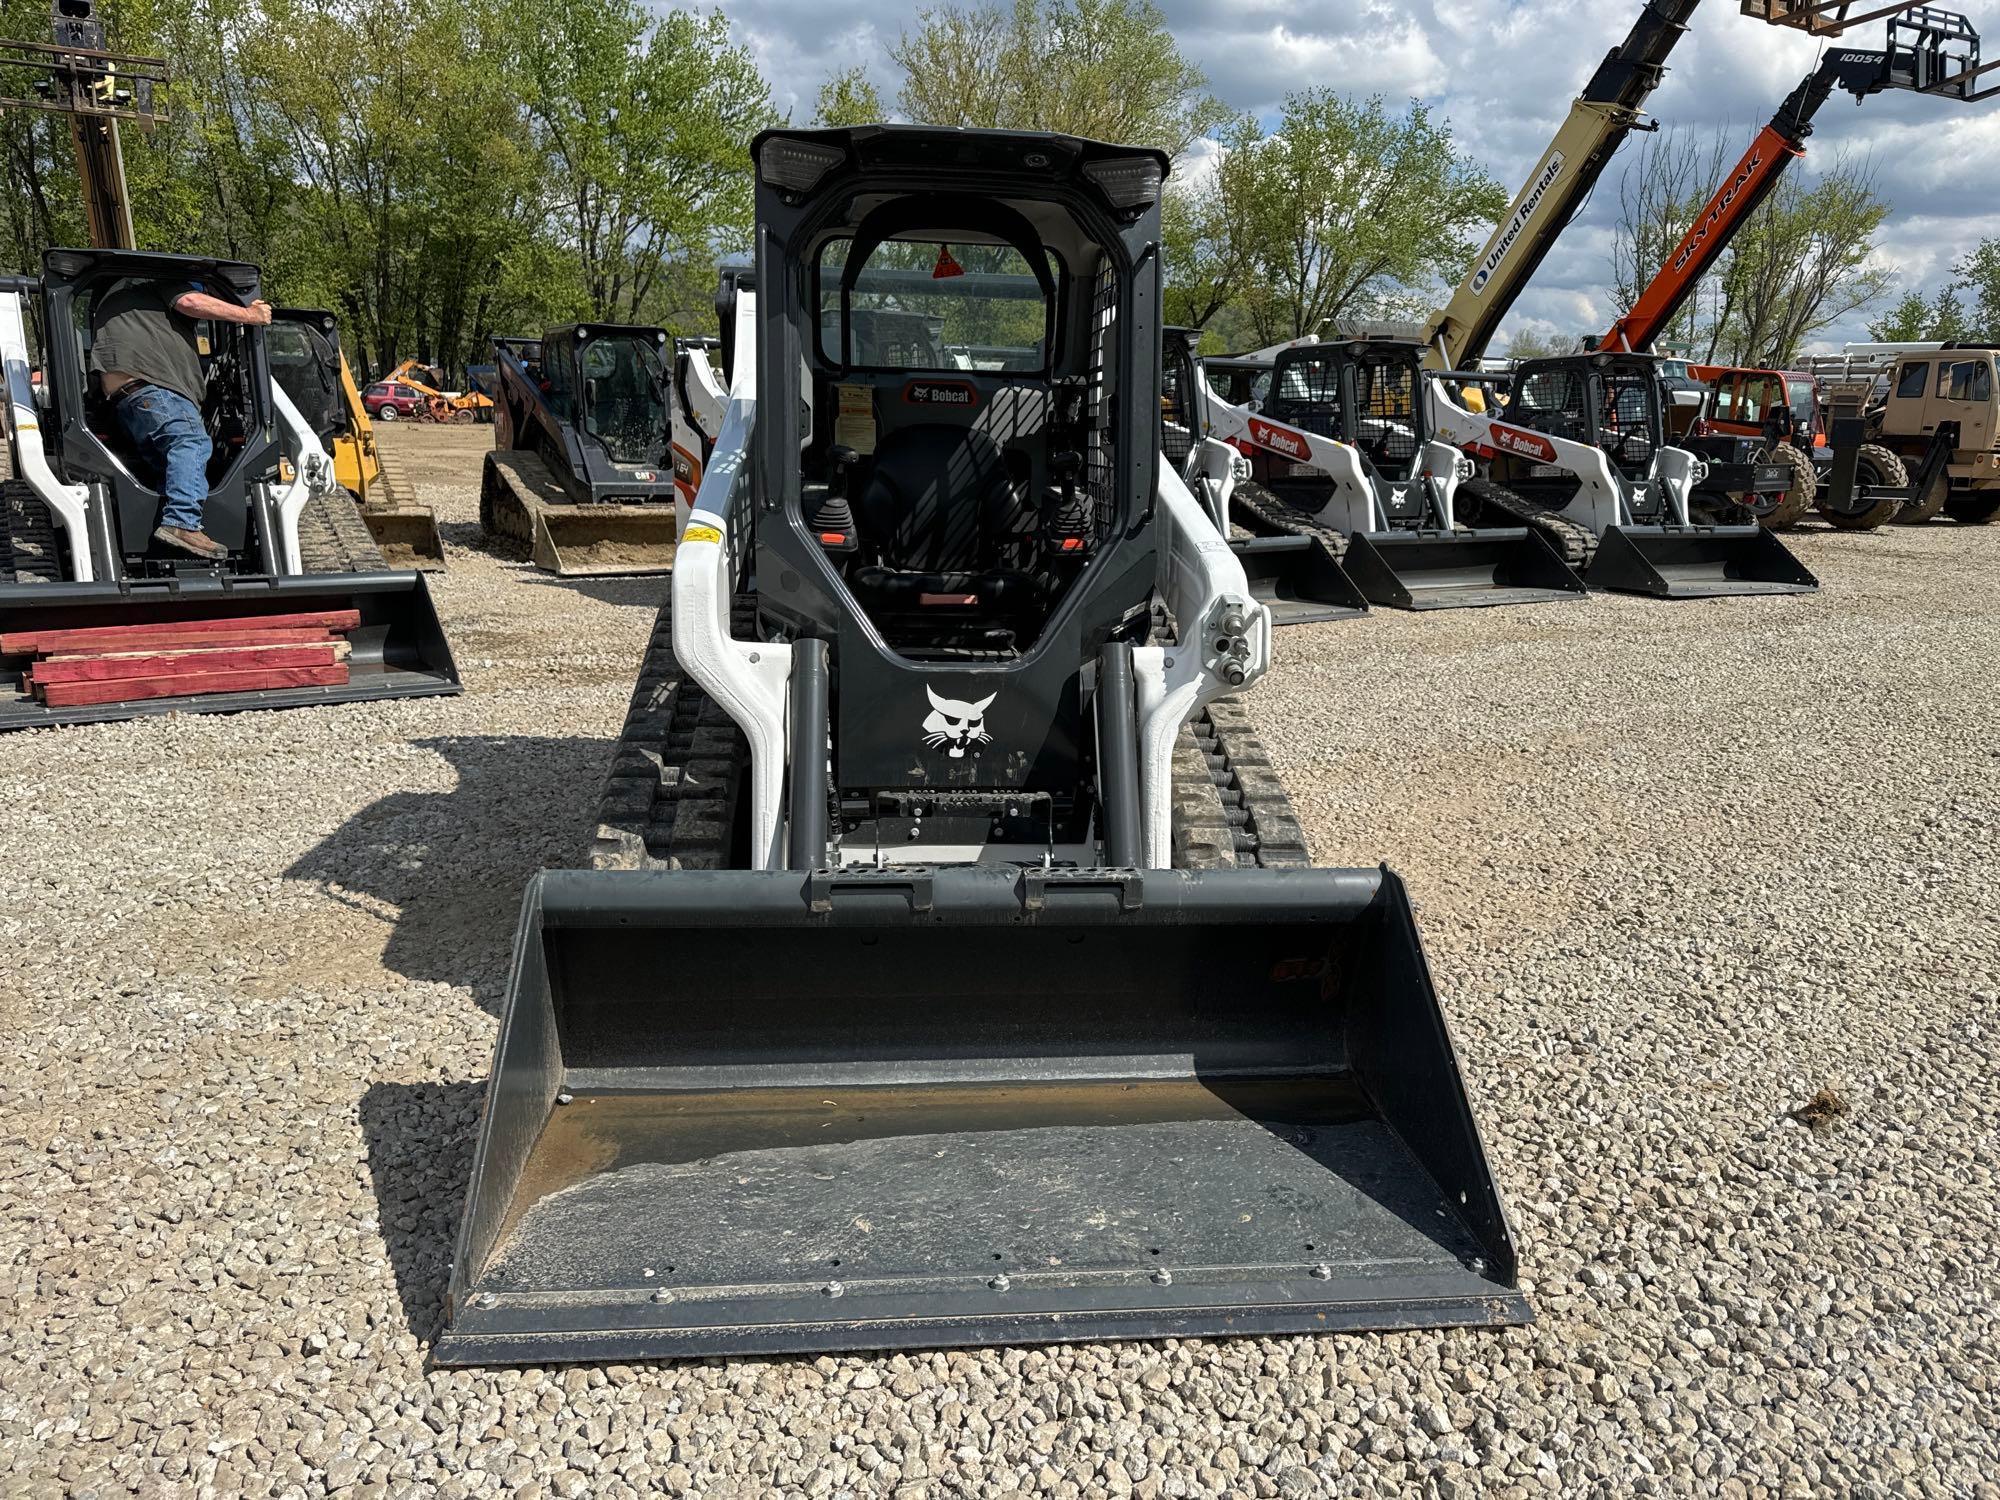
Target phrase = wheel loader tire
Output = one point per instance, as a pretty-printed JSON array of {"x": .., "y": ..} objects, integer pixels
[
  {"x": 1875, "y": 467},
  {"x": 1975, "y": 509},
  {"x": 1926, "y": 506},
  {"x": 675, "y": 787},
  {"x": 1799, "y": 498},
  {"x": 334, "y": 539}
]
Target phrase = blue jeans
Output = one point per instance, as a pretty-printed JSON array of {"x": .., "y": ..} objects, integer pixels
[{"x": 168, "y": 431}]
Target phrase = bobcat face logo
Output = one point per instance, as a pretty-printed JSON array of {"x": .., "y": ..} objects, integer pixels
[{"x": 954, "y": 726}]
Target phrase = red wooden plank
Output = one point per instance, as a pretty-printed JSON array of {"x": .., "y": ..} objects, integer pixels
[
  {"x": 169, "y": 641},
  {"x": 23, "y": 641},
  {"x": 181, "y": 663},
  {"x": 77, "y": 694}
]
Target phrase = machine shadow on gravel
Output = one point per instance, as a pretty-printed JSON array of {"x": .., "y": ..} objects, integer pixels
[
  {"x": 451, "y": 866},
  {"x": 420, "y": 1138},
  {"x": 646, "y": 591}
]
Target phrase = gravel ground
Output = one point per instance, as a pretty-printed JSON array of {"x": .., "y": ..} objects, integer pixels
[{"x": 1681, "y": 869}]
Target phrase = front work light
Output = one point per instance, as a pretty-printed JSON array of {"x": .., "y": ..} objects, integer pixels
[
  {"x": 795, "y": 166},
  {"x": 1127, "y": 181}
]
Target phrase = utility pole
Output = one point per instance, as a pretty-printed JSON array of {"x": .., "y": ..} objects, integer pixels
[{"x": 75, "y": 75}]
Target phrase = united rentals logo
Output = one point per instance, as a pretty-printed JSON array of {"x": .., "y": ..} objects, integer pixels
[
  {"x": 1517, "y": 221},
  {"x": 1280, "y": 440},
  {"x": 1698, "y": 235},
  {"x": 1523, "y": 444}
]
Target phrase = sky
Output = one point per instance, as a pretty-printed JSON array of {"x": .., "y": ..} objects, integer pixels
[{"x": 1504, "y": 73}]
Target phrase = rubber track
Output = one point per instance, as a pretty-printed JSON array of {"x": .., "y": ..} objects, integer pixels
[
  {"x": 511, "y": 484},
  {"x": 1229, "y": 807},
  {"x": 1270, "y": 515},
  {"x": 334, "y": 539},
  {"x": 670, "y": 797},
  {"x": 28, "y": 531},
  {"x": 1264, "y": 829},
  {"x": 1576, "y": 542}
]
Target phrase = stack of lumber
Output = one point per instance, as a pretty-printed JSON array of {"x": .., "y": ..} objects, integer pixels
[{"x": 183, "y": 658}]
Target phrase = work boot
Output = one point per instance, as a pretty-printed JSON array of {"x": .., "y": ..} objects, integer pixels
[{"x": 199, "y": 543}]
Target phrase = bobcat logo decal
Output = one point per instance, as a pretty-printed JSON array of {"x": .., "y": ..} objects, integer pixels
[{"x": 954, "y": 726}]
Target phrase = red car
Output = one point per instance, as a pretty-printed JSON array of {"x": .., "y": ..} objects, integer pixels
[{"x": 387, "y": 400}]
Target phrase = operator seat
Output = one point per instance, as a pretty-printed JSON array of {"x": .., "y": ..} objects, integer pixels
[{"x": 945, "y": 524}]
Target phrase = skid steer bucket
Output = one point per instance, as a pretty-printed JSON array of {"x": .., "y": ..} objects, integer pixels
[
  {"x": 1696, "y": 562},
  {"x": 1298, "y": 579},
  {"x": 1449, "y": 570},
  {"x": 592, "y": 540},
  {"x": 406, "y": 534},
  {"x": 397, "y": 651},
  {"x": 739, "y": 1112}
]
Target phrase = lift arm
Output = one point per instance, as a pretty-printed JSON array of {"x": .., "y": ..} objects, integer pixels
[
  {"x": 1933, "y": 52},
  {"x": 1599, "y": 120}
]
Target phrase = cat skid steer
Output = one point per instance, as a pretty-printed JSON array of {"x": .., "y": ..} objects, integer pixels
[
  {"x": 1341, "y": 448},
  {"x": 581, "y": 472},
  {"x": 77, "y": 550},
  {"x": 1584, "y": 457},
  {"x": 953, "y": 972},
  {"x": 1298, "y": 578},
  {"x": 310, "y": 366}
]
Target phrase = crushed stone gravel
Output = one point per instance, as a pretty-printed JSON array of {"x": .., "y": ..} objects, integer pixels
[{"x": 1683, "y": 870}]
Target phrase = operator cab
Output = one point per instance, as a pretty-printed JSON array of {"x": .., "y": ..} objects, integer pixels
[
  {"x": 1366, "y": 393},
  {"x": 90, "y": 445},
  {"x": 1610, "y": 401},
  {"x": 960, "y": 379}
]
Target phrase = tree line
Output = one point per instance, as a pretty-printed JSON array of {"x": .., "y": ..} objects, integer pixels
[
  {"x": 437, "y": 173},
  {"x": 433, "y": 172}
]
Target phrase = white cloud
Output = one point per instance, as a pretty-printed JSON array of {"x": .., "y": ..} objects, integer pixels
[{"x": 1504, "y": 72}]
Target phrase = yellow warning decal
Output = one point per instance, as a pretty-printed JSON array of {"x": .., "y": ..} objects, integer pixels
[{"x": 702, "y": 534}]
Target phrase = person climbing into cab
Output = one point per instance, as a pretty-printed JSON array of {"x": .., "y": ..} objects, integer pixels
[{"x": 145, "y": 354}]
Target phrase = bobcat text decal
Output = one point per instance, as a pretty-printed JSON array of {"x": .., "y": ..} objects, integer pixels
[
  {"x": 1525, "y": 444},
  {"x": 1518, "y": 221},
  {"x": 940, "y": 393},
  {"x": 1280, "y": 440}
]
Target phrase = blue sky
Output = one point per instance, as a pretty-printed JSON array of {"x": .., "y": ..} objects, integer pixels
[{"x": 1504, "y": 72}]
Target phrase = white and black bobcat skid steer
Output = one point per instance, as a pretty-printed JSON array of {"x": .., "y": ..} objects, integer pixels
[
  {"x": 952, "y": 971},
  {"x": 77, "y": 549}
]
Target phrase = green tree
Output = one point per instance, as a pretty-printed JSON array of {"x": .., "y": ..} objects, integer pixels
[
  {"x": 1352, "y": 209},
  {"x": 1915, "y": 320},
  {"x": 1979, "y": 273},
  {"x": 1107, "y": 69},
  {"x": 1800, "y": 263},
  {"x": 645, "y": 125},
  {"x": 849, "y": 99},
  {"x": 1206, "y": 232}
]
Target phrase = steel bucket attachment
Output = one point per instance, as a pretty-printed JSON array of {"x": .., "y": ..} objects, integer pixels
[
  {"x": 399, "y": 650},
  {"x": 1696, "y": 562},
  {"x": 1458, "y": 569},
  {"x": 595, "y": 540},
  {"x": 407, "y": 535},
  {"x": 1298, "y": 579},
  {"x": 739, "y": 1112}
]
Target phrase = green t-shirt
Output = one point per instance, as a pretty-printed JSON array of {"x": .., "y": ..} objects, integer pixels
[{"x": 134, "y": 328}]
